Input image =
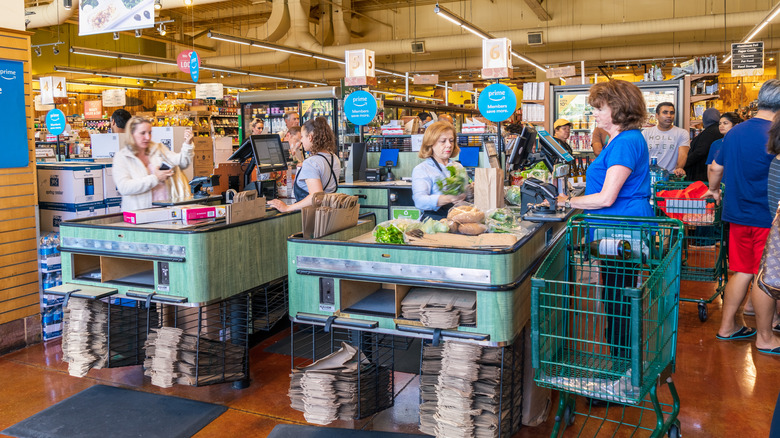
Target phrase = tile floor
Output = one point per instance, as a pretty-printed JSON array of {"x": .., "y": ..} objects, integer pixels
[{"x": 727, "y": 389}]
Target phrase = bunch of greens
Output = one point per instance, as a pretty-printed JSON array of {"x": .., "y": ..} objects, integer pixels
[
  {"x": 513, "y": 195},
  {"x": 389, "y": 234},
  {"x": 456, "y": 183},
  {"x": 500, "y": 220},
  {"x": 430, "y": 226}
]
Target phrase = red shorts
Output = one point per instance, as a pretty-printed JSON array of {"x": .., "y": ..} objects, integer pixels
[{"x": 746, "y": 245}]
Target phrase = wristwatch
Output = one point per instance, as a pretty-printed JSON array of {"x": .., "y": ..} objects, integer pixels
[{"x": 567, "y": 204}]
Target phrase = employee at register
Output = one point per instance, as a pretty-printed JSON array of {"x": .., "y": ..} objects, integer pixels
[
  {"x": 438, "y": 145},
  {"x": 562, "y": 132},
  {"x": 425, "y": 119}
]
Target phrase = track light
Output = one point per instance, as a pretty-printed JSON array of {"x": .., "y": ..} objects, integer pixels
[
  {"x": 162, "y": 30},
  {"x": 222, "y": 76},
  {"x": 67, "y": 4},
  {"x": 460, "y": 76},
  {"x": 55, "y": 50},
  {"x": 187, "y": 2},
  {"x": 37, "y": 51},
  {"x": 157, "y": 4},
  {"x": 213, "y": 75},
  {"x": 138, "y": 33},
  {"x": 116, "y": 36},
  {"x": 138, "y": 82}
]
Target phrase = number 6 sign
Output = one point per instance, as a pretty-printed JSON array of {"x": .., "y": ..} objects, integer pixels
[{"x": 496, "y": 58}]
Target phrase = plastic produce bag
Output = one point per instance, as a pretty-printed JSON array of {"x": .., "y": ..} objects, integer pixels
[
  {"x": 500, "y": 220},
  {"x": 456, "y": 183},
  {"x": 513, "y": 195},
  {"x": 392, "y": 231}
]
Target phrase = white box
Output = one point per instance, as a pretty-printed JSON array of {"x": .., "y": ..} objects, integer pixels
[
  {"x": 113, "y": 206},
  {"x": 70, "y": 183},
  {"x": 110, "y": 193},
  {"x": 152, "y": 215},
  {"x": 104, "y": 145},
  {"x": 52, "y": 214}
]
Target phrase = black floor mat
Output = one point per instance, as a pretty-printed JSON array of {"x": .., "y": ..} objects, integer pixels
[
  {"x": 105, "y": 411},
  {"x": 407, "y": 360},
  {"x": 297, "y": 431}
]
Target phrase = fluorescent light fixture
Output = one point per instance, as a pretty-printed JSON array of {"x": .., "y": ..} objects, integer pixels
[
  {"x": 527, "y": 60},
  {"x": 83, "y": 71}
]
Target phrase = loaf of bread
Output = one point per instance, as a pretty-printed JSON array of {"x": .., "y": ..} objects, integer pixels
[
  {"x": 466, "y": 214},
  {"x": 472, "y": 229}
]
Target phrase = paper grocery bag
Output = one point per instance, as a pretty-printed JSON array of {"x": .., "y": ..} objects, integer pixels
[{"x": 488, "y": 188}]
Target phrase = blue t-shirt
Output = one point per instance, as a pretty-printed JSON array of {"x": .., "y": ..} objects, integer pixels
[
  {"x": 714, "y": 154},
  {"x": 745, "y": 172},
  {"x": 627, "y": 149}
]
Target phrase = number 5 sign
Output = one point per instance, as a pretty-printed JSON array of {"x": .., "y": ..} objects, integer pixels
[
  {"x": 497, "y": 58},
  {"x": 360, "y": 67}
]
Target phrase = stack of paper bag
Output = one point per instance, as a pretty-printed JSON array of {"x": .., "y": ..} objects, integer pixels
[
  {"x": 429, "y": 378},
  {"x": 329, "y": 212},
  {"x": 84, "y": 338},
  {"x": 488, "y": 188},
  {"x": 440, "y": 308}
]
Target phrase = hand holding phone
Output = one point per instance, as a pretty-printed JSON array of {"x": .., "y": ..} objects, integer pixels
[{"x": 164, "y": 166}]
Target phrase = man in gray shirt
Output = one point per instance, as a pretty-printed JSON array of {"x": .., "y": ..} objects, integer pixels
[{"x": 667, "y": 142}]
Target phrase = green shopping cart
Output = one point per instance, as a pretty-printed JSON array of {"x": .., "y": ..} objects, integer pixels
[
  {"x": 704, "y": 247},
  {"x": 604, "y": 309}
]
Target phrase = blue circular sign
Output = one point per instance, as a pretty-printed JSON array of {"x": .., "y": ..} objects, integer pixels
[
  {"x": 360, "y": 107},
  {"x": 55, "y": 122},
  {"x": 497, "y": 102},
  {"x": 194, "y": 66}
]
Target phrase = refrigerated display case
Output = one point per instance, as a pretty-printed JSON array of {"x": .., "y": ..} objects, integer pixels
[{"x": 272, "y": 105}]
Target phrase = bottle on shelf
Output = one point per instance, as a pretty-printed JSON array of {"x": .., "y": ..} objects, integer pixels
[
  {"x": 657, "y": 173},
  {"x": 611, "y": 249}
]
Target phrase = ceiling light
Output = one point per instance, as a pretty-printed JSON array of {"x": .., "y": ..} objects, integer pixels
[
  {"x": 162, "y": 29},
  {"x": 187, "y": 2},
  {"x": 116, "y": 36},
  {"x": 771, "y": 59},
  {"x": 157, "y": 4},
  {"x": 460, "y": 76},
  {"x": 67, "y": 4},
  {"x": 138, "y": 33},
  {"x": 221, "y": 76},
  {"x": 213, "y": 75},
  {"x": 138, "y": 82},
  {"x": 37, "y": 51},
  {"x": 55, "y": 50}
]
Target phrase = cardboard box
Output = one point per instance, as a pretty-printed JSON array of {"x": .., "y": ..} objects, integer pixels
[
  {"x": 148, "y": 215},
  {"x": 52, "y": 214},
  {"x": 70, "y": 183},
  {"x": 199, "y": 212},
  {"x": 110, "y": 193},
  {"x": 113, "y": 206}
]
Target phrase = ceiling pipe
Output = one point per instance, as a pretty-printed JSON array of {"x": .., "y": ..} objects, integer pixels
[{"x": 279, "y": 22}]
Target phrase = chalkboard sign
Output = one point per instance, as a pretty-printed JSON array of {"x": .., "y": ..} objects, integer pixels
[{"x": 747, "y": 59}]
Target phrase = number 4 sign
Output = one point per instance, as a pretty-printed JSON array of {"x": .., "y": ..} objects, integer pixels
[{"x": 53, "y": 90}]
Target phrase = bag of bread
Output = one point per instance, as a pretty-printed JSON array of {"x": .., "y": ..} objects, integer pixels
[{"x": 466, "y": 214}]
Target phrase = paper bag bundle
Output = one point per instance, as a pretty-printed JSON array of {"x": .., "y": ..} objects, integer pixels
[
  {"x": 246, "y": 206},
  {"x": 329, "y": 212},
  {"x": 429, "y": 378},
  {"x": 84, "y": 341},
  {"x": 488, "y": 188},
  {"x": 440, "y": 308}
]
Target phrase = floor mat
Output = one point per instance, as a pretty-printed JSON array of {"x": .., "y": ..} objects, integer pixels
[
  {"x": 105, "y": 411},
  {"x": 406, "y": 357},
  {"x": 298, "y": 431}
]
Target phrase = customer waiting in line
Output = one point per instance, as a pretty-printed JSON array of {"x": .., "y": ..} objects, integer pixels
[
  {"x": 257, "y": 126},
  {"x": 137, "y": 165},
  {"x": 618, "y": 183},
  {"x": 291, "y": 118},
  {"x": 725, "y": 123},
  {"x": 319, "y": 172},
  {"x": 745, "y": 171},
  {"x": 667, "y": 142},
  {"x": 696, "y": 163},
  {"x": 119, "y": 120}
]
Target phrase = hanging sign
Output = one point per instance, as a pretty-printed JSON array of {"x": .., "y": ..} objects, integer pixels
[
  {"x": 360, "y": 107},
  {"x": 497, "y": 102},
  {"x": 747, "y": 59},
  {"x": 209, "y": 91},
  {"x": 183, "y": 61},
  {"x": 47, "y": 90},
  {"x": 12, "y": 112},
  {"x": 463, "y": 86},
  {"x": 55, "y": 122},
  {"x": 561, "y": 72},
  {"x": 39, "y": 106},
  {"x": 425, "y": 79},
  {"x": 497, "y": 58},
  {"x": 100, "y": 16},
  {"x": 194, "y": 66},
  {"x": 360, "y": 67},
  {"x": 114, "y": 97},
  {"x": 93, "y": 109}
]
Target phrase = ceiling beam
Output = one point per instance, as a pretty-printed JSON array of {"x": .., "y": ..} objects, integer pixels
[{"x": 536, "y": 7}]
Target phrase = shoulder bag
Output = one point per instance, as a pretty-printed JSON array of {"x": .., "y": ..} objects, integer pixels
[{"x": 769, "y": 271}]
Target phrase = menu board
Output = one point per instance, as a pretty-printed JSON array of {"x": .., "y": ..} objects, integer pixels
[
  {"x": 747, "y": 59},
  {"x": 114, "y": 97},
  {"x": 102, "y": 16},
  {"x": 209, "y": 91}
]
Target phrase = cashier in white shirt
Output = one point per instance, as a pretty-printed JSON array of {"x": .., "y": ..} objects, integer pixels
[{"x": 438, "y": 145}]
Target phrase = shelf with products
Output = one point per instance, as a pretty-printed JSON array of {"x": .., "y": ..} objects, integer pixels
[
  {"x": 50, "y": 267},
  {"x": 699, "y": 92}
]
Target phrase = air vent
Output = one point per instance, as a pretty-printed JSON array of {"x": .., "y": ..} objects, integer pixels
[
  {"x": 535, "y": 39},
  {"x": 418, "y": 47}
]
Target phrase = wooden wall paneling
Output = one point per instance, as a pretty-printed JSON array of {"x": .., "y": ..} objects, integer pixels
[{"x": 18, "y": 198}]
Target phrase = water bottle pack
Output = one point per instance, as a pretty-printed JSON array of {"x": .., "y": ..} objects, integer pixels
[{"x": 49, "y": 254}]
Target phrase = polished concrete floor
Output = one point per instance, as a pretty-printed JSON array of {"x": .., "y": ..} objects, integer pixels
[{"x": 727, "y": 389}]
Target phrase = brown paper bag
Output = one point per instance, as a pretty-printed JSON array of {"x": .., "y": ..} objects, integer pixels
[
  {"x": 246, "y": 208},
  {"x": 488, "y": 188}
]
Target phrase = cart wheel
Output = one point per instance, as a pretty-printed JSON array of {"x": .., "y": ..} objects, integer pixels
[
  {"x": 568, "y": 416},
  {"x": 702, "y": 312},
  {"x": 674, "y": 431}
]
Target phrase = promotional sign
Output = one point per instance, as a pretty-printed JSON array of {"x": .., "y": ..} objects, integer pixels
[
  {"x": 114, "y": 97},
  {"x": 747, "y": 59},
  {"x": 103, "y": 16},
  {"x": 561, "y": 72},
  {"x": 55, "y": 122},
  {"x": 360, "y": 67},
  {"x": 12, "y": 112},
  {"x": 497, "y": 102},
  {"x": 209, "y": 91},
  {"x": 463, "y": 86},
  {"x": 194, "y": 66},
  {"x": 496, "y": 58},
  {"x": 425, "y": 79},
  {"x": 360, "y": 107},
  {"x": 183, "y": 61},
  {"x": 93, "y": 109}
]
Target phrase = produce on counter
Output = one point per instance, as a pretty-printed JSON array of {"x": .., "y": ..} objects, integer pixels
[
  {"x": 472, "y": 229},
  {"x": 500, "y": 220},
  {"x": 389, "y": 234},
  {"x": 513, "y": 195},
  {"x": 466, "y": 214},
  {"x": 456, "y": 183},
  {"x": 430, "y": 226}
]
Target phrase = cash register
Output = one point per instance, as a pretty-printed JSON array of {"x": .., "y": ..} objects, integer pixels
[{"x": 263, "y": 152}]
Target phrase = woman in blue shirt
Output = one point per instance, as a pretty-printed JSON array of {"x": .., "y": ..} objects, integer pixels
[{"x": 438, "y": 145}]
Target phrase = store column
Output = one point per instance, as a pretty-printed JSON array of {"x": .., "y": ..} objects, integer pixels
[{"x": 20, "y": 321}]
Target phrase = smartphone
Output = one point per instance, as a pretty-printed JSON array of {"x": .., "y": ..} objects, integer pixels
[{"x": 164, "y": 166}]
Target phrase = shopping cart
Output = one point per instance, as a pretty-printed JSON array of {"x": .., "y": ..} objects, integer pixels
[
  {"x": 605, "y": 327},
  {"x": 704, "y": 248}
]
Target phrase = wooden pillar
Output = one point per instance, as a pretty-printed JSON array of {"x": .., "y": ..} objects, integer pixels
[{"x": 20, "y": 320}]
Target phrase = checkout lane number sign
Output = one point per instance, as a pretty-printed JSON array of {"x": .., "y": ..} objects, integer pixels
[
  {"x": 497, "y": 102},
  {"x": 55, "y": 122},
  {"x": 360, "y": 107}
]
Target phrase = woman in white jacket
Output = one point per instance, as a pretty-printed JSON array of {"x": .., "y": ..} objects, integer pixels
[{"x": 137, "y": 172}]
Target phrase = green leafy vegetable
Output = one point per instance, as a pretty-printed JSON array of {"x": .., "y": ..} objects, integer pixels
[
  {"x": 456, "y": 183},
  {"x": 430, "y": 226},
  {"x": 513, "y": 195},
  {"x": 389, "y": 234},
  {"x": 501, "y": 220}
]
